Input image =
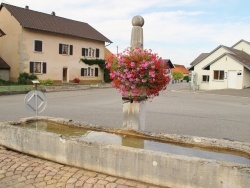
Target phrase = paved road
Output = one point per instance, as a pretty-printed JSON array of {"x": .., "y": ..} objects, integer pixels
[
  {"x": 223, "y": 114},
  {"x": 218, "y": 114}
]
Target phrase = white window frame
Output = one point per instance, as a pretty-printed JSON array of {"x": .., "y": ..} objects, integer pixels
[
  {"x": 35, "y": 66},
  {"x": 207, "y": 78},
  {"x": 63, "y": 48},
  {"x": 219, "y": 74},
  {"x": 89, "y": 72}
]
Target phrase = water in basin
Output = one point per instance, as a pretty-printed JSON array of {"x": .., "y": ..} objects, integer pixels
[{"x": 107, "y": 138}]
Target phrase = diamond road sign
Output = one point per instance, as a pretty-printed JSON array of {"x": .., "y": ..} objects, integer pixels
[{"x": 35, "y": 102}]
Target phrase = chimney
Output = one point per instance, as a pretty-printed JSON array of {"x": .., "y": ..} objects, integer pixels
[
  {"x": 26, "y": 7},
  {"x": 53, "y": 13}
]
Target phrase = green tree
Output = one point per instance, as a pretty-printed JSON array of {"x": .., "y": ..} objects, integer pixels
[
  {"x": 177, "y": 75},
  {"x": 186, "y": 78}
]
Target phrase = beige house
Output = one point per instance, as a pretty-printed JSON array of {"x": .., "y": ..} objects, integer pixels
[
  {"x": 48, "y": 45},
  {"x": 224, "y": 67}
]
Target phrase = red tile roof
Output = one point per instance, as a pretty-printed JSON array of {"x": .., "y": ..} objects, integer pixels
[
  {"x": 180, "y": 68},
  {"x": 50, "y": 23}
]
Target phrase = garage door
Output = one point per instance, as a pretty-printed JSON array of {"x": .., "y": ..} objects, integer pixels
[{"x": 232, "y": 75}]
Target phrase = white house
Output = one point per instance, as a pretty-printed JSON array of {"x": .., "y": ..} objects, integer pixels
[{"x": 222, "y": 68}]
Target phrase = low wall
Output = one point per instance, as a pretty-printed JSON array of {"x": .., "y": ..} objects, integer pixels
[{"x": 142, "y": 165}]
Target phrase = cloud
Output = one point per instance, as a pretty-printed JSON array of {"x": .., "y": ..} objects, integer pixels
[{"x": 179, "y": 30}]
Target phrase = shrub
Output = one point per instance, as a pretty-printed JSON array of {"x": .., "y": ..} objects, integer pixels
[
  {"x": 177, "y": 75},
  {"x": 46, "y": 82},
  {"x": 76, "y": 80},
  {"x": 25, "y": 78},
  {"x": 186, "y": 78}
]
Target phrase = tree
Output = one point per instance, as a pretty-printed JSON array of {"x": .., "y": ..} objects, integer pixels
[{"x": 177, "y": 75}]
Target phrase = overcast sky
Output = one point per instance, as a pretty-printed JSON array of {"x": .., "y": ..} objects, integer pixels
[{"x": 178, "y": 30}]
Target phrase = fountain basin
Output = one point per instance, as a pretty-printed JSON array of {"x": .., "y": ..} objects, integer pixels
[{"x": 137, "y": 163}]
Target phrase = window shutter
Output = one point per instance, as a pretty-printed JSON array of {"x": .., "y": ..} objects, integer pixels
[
  {"x": 83, "y": 51},
  {"x": 97, "y": 52},
  {"x": 38, "y": 46},
  {"x": 60, "y": 48},
  {"x": 44, "y": 68},
  {"x": 96, "y": 72},
  {"x": 71, "y": 50},
  {"x": 82, "y": 71},
  {"x": 31, "y": 67}
]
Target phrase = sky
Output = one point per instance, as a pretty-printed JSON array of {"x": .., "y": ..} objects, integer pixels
[{"x": 179, "y": 30}]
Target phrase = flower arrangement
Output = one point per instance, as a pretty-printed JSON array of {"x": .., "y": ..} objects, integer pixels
[
  {"x": 76, "y": 80},
  {"x": 137, "y": 73}
]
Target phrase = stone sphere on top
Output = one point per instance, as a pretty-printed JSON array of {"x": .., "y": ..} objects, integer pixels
[{"x": 138, "y": 21}]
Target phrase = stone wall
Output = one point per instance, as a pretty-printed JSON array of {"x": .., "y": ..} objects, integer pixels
[{"x": 138, "y": 164}]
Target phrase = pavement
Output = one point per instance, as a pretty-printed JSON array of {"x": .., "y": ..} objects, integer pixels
[
  {"x": 183, "y": 87},
  {"x": 20, "y": 170}
]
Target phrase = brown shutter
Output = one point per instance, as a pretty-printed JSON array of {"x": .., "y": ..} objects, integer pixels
[
  {"x": 31, "y": 67},
  {"x": 71, "y": 50},
  {"x": 60, "y": 48},
  {"x": 44, "y": 68},
  {"x": 83, "y": 51},
  {"x": 97, "y": 52},
  {"x": 96, "y": 72}
]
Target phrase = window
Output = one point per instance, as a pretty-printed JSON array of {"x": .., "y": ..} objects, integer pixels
[
  {"x": 205, "y": 78},
  {"x": 38, "y": 67},
  {"x": 38, "y": 46},
  {"x": 219, "y": 75},
  {"x": 89, "y": 71},
  {"x": 66, "y": 49},
  {"x": 90, "y": 52}
]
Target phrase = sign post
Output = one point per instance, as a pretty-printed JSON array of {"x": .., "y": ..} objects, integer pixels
[{"x": 35, "y": 101}]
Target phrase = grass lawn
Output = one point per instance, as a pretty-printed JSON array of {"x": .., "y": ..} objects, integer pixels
[{"x": 19, "y": 88}]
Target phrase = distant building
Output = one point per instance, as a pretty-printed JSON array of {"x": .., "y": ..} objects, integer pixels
[
  {"x": 48, "y": 45},
  {"x": 181, "y": 68},
  {"x": 224, "y": 67}
]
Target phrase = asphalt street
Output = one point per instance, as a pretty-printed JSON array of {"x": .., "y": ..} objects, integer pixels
[{"x": 223, "y": 114}]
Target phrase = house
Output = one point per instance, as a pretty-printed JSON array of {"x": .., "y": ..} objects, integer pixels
[
  {"x": 180, "y": 68},
  {"x": 4, "y": 70},
  {"x": 224, "y": 67},
  {"x": 48, "y": 45}
]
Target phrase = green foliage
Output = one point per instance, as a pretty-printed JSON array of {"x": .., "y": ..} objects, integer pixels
[
  {"x": 25, "y": 78},
  {"x": 46, "y": 82},
  {"x": 177, "y": 75},
  {"x": 6, "y": 83},
  {"x": 186, "y": 78},
  {"x": 101, "y": 64}
]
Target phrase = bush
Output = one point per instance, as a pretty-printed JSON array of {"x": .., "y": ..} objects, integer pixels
[
  {"x": 6, "y": 83},
  {"x": 186, "y": 78},
  {"x": 46, "y": 82},
  {"x": 25, "y": 78},
  {"x": 177, "y": 75},
  {"x": 76, "y": 80}
]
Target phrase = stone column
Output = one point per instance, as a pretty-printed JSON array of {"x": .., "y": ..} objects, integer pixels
[{"x": 134, "y": 111}]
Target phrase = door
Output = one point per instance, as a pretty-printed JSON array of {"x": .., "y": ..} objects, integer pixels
[
  {"x": 232, "y": 75},
  {"x": 65, "y": 74}
]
